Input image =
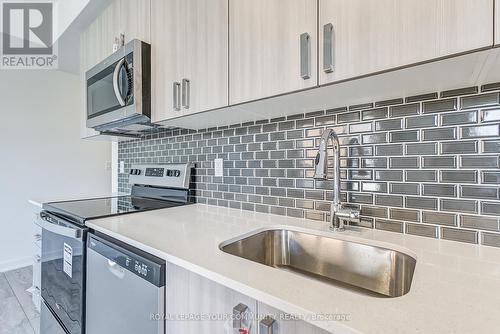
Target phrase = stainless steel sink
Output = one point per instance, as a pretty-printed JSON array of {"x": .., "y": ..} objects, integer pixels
[{"x": 367, "y": 269}]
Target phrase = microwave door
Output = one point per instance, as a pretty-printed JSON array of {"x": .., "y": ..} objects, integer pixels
[{"x": 107, "y": 92}]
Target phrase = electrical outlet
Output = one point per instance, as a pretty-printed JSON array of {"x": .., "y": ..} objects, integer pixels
[
  {"x": 122, "y": 167},
  {"x": 219, "y": 167}
]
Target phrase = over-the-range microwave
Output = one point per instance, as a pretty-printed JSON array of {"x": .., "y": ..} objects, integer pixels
[{"x": 119, "y": 91}]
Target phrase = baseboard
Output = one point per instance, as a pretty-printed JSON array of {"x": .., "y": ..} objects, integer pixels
[{"x": 16, "y": 263}]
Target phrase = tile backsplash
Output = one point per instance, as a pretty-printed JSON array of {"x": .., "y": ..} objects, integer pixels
[{"x": 425, "y": 165}]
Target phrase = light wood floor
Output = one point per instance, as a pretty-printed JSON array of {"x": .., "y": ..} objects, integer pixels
[{"x": 17, "y": 312}]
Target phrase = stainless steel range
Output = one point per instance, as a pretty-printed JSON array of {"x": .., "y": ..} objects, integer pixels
[{"x": 64, "y": 237}]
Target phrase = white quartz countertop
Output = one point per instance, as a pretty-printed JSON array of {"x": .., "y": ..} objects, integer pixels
[{"x": 455, "y": 289}]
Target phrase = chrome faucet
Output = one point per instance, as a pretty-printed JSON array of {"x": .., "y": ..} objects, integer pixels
[{"x": 339, "y": 213}]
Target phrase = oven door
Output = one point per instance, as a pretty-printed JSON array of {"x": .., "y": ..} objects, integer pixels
[
  {"x": 63, "y": 270},
  {"x": 109, "y": 92}
]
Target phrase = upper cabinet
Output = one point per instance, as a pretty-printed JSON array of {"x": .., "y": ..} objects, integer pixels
[
  {"x": 272, "y": 47},
  {"x": 135, "y": 18},
  {"x": 360, "y": 37},
  {"x": 189, "y": 57},
  {"x": 497, "y": 22}
]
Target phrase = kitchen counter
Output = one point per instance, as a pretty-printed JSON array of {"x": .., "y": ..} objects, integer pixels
[{"x": 455, "y": 287}]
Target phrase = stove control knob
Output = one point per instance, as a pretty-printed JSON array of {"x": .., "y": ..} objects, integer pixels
[
  {"x": 169, "y": 172},
  {"x": 177, "y": 173}
]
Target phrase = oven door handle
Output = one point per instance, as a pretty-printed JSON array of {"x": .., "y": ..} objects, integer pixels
[
  {"x": 61, "y": 230},
  {"x": 116, "y": 88}
]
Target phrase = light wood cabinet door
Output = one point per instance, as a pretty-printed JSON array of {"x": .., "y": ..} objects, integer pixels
[
  {"x": 167, "y": 57},
  {"x": 89, "y": 56},
  {"x": 369, "y": 36},
  {"x": 266, "y": 50},
  {"x": 284, "y": 323},
  {"x": 206, "y": 55},
  {"x": 190, "y": 294},
  {"x": 109, "y": 29},
  {"x": 497, "y": 22},
  {"x": 135, "y": 19}
]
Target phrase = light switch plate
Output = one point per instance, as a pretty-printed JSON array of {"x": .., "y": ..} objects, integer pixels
[
  {"x": 219, "y": 167},
  {"x": 122, "y": 166}
]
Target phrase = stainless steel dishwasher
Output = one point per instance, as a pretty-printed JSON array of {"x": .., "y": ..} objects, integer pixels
[{"x": 125, "y": 289}]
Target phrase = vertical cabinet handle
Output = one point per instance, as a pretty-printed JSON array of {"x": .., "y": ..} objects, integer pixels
[
  {"x": 186, "y": 93},
  {"x": 328, "y": 48},
  {"x": 239, "y": 314},
  {"x": 267, "y": 325},
  {"x": 177, "y": 93},
  {"x": 305, "y": 56}
]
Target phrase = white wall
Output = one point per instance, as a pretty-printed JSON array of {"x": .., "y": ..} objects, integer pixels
[{"x": 41, "y": 154}]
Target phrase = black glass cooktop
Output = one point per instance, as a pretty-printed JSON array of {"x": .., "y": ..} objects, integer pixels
[{"x": 81, "y": 210}]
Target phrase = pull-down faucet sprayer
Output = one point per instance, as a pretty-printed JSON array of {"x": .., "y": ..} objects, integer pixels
[{"x": 339, "y": 213}]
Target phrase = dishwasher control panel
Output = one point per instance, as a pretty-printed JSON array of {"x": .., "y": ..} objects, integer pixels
[{"x": 142, "y": 264}]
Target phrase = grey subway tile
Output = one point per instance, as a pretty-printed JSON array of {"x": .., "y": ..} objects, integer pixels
[
  {"x": 422, "y": 230},
  {"x": 389, "y": 150},
  {"x": 490, "y": 239},
  {"x": 405, "y": 215},
  {"x": 459, "y": 91},
  {"x": 348, "y": 117},
  {"x": 439, "y": 134},
  {"x": 422, "y": 97},
  {"x": 491, "y": 86},
  {"x": 421, "y": 149},
  {"x": 491, "y": 146},
  {"x": 439, "y": 162},
  {"x": 459, "y": 147},
  {"x": 480, "y": 131},
  {"x": 374, "y": 211},
  {"x": 459, "y": 235},
  {"x": 380, "y": 187},
  {"x": 490, "y": 177},
  {"x": 421, "y": 176},
  {"x": 361, "y": 198},
  {"x": 459, "y": 176},
  {"x": 457, "y": 118},
  {"x": 492, "y": 115},
  {"x": 441, "y": 190},
  {"x": 459, "y": 205},
  {"x": 482, "y": 192},
  {"x": 421, "y": 203},
  {"x": 361, "y": 174},
  {"x": 358, "y": 151},
  {"x": 477, "y": 161},
  {"x": 439, "y": 218},
  {"x": 388, "y": 225},
  {"x": 390, "y": 124},
  {"x": 404, "y": 136},
  {"x": 405, "y": 162},
  {"x": 389, "y": 102},
  {"x": 405, "y": 110},
  {"x": 480, "y": 223},
  {"x": 426, "y": 121},
  {"x": 374, "y": 162},
  {"x": 490, "y": 208},
  {"x": 404, "y": 188},
  {"x": 360, "y": 127},
  {"x": 378, "y": 138},
  {"x": 389, "y": 175},
  {"x": 480, "y": 101},
  {"x": 361, "y": 106},
  {"x": 376, "y": 113},
  {"x": 389, "y": 200},
  {"x": 440, "y": 106}
]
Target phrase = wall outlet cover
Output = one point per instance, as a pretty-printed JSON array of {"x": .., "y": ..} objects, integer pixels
[
  {"x": 219, "y": 167},
  {"x": 122, "y": 166}
]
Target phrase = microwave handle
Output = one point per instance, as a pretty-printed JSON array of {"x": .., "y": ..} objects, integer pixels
[{"x": 115, "y": 82}]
